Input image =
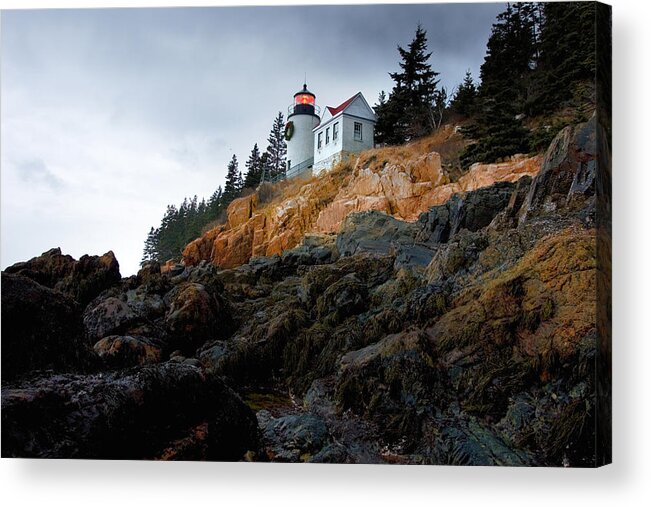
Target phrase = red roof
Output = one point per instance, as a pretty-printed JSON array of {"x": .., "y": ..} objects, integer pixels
[{"x": 342, "y": 106}]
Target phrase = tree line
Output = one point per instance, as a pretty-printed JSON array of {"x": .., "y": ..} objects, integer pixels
[
  {"x": 540, "y": 58},
  {"x": 181, "y": 224}
]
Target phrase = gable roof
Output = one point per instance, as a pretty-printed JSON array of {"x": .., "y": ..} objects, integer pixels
[
  {"x": 331, "y": 112},
  {"x": 343, "y": 105}
]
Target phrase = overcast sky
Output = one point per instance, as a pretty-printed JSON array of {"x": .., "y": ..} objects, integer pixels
[{"x": 108, "y": 115}]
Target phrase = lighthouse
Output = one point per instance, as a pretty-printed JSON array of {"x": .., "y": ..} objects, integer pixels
[{"x": 302, "y": 118}]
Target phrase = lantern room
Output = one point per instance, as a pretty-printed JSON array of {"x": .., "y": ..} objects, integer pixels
[{"x": 304, "y": 102}]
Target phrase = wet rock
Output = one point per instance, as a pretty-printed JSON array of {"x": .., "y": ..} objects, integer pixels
[
  {"x": 41, "y": 329},
  {"x": 345, "y": 297},
  {"x": 124, "y": 351},
  {"x": 47, "y": 269},
  {"x": 109, "y": 317},
  {"x": 83, "y": 280},
  {"x": 130, "y": 414},
  {"x": 391, "y": 380},
  {"x": 471, "y": 443},
  {"x": 292, "y": 438},
  {"x": 195, "y": 316}
]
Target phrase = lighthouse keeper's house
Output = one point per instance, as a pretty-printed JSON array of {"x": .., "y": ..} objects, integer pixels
[
  {"x": 344, "y": 130},
  {"x": 316, "y": 144}
]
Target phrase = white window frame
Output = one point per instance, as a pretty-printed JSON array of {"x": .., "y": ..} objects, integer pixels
[
  {"x": 355, "y": 137},
  {"x": 327, "y": 135},
  {"x": 319, "y": 142},
  {"x": 335, "y": 132}
]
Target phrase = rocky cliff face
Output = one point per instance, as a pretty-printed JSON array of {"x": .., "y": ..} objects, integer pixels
[
  {"x": 400, "y": 181},
  {"x": 462, "y": 335}
]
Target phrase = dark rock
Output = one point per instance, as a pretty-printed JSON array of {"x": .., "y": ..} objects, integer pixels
[
  {"x": 84, "y": 279},
  {"x": 47, "y": 269},
  {"x": 131, "y": 414},
  {"x": 195, "y": 315},
  {"x": 373, "y": 232},
  {"x": 292, "y": 438},
  {"x": 391, "y": 380},
  {"x": 345, "y": 297},
  {"x": 41, "y": 329},
  {"x": 109, "y": 316},
  {"x": 150, "y": 270},
  {"x": 124, "y": 351},
  {"x": 471, "y": 211},
  {"x": 568, "y": 172},
  {"x": 471, "y": 443},
  {"x": 90, "y": 276}
]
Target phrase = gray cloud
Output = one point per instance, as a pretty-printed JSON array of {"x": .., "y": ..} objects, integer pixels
[
  {"x": 152, "y": 103},
  {"x": 36, "y": 172}
]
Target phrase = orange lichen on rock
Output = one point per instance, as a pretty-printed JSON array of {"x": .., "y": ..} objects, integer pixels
[
  {"x": 544, "y": 305},
  {"x": 402, "y": 181}
]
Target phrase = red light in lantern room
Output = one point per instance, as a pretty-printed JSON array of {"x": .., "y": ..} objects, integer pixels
[{"x": 305, "y": 99}]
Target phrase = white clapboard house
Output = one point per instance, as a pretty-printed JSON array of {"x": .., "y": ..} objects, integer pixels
[{"x": 316, "y": 144}]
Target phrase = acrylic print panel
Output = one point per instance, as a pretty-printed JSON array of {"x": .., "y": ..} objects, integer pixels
[{"x": 269, "y": 240}]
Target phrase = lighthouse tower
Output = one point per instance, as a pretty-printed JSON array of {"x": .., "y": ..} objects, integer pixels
[{"x": 302, "y": 118}]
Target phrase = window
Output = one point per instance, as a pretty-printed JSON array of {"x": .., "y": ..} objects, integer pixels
[
  {"x": 289, "y": 165},
  {"x": 320, "y": 140},
  {"x": 335, "y": 132},
  {"x": 357, "y": 134},
  {"x": 327, "y": 135}
]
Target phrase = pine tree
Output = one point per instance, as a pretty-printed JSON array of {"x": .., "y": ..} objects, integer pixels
[
  {"x": 392, "y": 122},
  {"x": 505, "y": 79},
  {"x": 410, "y": 104},
  {"x": 231, "y": 187},
  {"x": 567, "y": 52},
  {"x": 214, "y": 206},
  {"x": 276, "y": 150},
  {"x": 440, "y": 105},
  {"x": 253, "y": 168},
  {"x": 149, "y": 252},
  {"x": 465, "y": 98}
]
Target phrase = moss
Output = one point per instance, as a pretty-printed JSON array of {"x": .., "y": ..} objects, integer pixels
[
  {"x": 268, "y": 400},
  {"x": 547, "y": 310}
]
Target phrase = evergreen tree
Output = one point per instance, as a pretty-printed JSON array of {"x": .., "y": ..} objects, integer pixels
[
  {"x": 214, "y": 206},
  {"x": 505, "y": 78},
  {"x": 567, "y": 53},
  {"x": 409, "y": 111},
  {"x": 276, "y": 150},
  {"x": 465, "y": 98},
  {"x": 149, "y": 252},
  {"x": 253, "y": 168},
  {"x": 231, "y": 187},
  {"x": 440, "y": 105},
  {"x": 392, "y": 122}
]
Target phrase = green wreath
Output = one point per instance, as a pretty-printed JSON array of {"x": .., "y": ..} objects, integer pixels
[{"x": 289, "y": 130}]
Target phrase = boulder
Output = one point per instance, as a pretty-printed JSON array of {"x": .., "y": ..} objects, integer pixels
[
  {"x": 125, "y": 351},
  {"x": 195, "y": 315},
  {"x": 568, "y": 172},
  {"x": 41, "y": 329},
  {"x": 292, "y": 438},
  {"x": 374, "y": 232},
  {"x": 83, "y": 280},
  {"x": 129, "y": 414},
  {"x": 48, "y": 269},
  {"x": 109, "y": 316}
]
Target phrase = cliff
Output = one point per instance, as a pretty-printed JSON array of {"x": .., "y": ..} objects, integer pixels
[
  {"x": 466, "y": 335},
  {"x": 402, "y": 181}
]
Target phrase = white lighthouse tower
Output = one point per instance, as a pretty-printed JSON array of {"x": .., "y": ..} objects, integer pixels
[{"x": 302, "y": 118}]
